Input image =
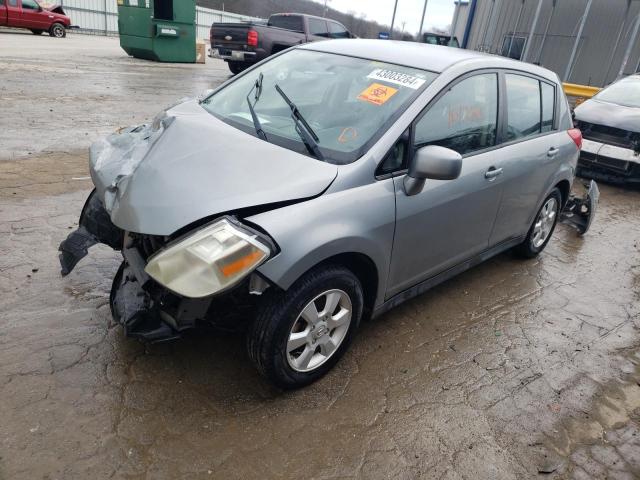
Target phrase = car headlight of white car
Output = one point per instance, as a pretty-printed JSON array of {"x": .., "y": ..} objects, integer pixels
[{"x": 210, "y": 260}]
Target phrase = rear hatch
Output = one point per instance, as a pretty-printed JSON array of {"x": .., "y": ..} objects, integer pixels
[{"x": 230, "y": 35}]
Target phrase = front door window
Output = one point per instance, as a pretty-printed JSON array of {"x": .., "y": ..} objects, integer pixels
[{"x": 464, "y": 119}]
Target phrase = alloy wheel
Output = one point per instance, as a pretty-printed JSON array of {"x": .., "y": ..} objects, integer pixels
[
  {"x": 319, "y": 330},
  {"x": 545, "y": 222}
]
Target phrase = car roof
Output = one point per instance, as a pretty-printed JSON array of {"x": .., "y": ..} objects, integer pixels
[{"x": 434, "y": 58}]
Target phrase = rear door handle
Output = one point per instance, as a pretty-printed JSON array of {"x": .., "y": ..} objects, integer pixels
[
  {"x": 553, "y": 151},
  {"x": 493, "y": 173}
]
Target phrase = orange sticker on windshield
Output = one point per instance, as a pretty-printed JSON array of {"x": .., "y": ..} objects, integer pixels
[{"x": 377, "y": 94}]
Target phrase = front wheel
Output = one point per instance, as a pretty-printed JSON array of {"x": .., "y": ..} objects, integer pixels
[
  {"x": 543, "y": 226},
  {"x": 300, "y": 334},
  {"x": 57, "y": 30}
]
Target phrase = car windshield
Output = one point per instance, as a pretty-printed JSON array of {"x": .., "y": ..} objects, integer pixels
[
  {"x": 348, "y": 102},
  {"x": 625, "y": 92}
]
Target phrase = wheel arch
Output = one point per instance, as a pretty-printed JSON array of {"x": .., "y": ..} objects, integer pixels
[
  {"x": 565, "y": 188},
  {"x": 363, "y": 267}
]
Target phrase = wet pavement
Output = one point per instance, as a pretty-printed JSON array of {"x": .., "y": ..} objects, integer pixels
[{"x": 515, "y": 369}]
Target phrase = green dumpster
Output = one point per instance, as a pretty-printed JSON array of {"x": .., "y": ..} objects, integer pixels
[{"x": 160, "y": 30}]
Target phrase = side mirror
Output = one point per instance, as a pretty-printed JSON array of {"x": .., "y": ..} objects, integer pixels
[{"x": 437, "y": 163}]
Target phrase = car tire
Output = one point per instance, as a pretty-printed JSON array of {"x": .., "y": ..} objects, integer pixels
[
  {"x": 37, "y": 32},
  {"x": 543, "y": 226},
  {"x": 282, "y": 323},
  {"x": 237, "y": 67},
  {"x": 57, "y": 30}
]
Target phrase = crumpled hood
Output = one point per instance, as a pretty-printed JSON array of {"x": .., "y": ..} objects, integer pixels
[
  {"x": 609, "y": 114},
  {"x": 189, "y": 165}
]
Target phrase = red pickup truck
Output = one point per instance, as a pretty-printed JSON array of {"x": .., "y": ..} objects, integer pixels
[{"x": 31, "y": 15}]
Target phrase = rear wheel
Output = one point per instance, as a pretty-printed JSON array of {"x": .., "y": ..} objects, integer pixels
[
  {"x": 37, "y": 32},
  {"x": 543, "y": 226},
  {"x": 57, "y": 30},
  {"x": 237, "y": 67},
  {"x": 300, "y": 334}
]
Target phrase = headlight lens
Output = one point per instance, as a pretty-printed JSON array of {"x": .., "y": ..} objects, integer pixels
[{"x": 210, "y": 260}]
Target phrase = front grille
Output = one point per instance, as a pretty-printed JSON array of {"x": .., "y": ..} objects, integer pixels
[
  {"x": 613, "y": 163},
  {"x": 610, "y": 135},
  {"x": 606, "y": 162},
  {"x": 588, "y": 156}
]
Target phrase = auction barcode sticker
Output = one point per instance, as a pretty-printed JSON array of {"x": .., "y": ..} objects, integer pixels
[{"x": 398, "y": 78}]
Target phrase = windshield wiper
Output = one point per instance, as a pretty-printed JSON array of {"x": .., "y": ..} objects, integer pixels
[
  {"x": 308, "y": 136},
  {"x": 257, "y": 86}
]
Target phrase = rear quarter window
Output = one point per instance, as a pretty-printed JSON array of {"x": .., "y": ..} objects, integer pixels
[{"x": 548, "y": 106}]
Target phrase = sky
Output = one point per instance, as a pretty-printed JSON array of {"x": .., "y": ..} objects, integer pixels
[{"x": 439, "y": 12}]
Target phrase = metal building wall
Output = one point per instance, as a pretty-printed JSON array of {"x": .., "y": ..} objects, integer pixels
[
  {"x": 600, "y": 53},
  {"x": 100, "y": 17}
]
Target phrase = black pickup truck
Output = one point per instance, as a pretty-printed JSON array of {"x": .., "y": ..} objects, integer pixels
[{"x": 243, "y": 44}]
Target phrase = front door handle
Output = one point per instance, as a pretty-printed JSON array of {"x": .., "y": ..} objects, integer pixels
[
  {"x": 553, "y": 151},
  {"x": 493, "y": 173}
]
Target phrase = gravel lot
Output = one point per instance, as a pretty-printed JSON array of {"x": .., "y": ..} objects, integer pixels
[{"x": 512, "y": 370}]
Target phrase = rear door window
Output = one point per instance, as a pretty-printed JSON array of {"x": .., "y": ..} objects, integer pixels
[
  {"x": 318, "y": 27},
  {"x": 524, "y": 112},
  {"x": 337, "y": 31},
  {"x": 464, "y": 119}
]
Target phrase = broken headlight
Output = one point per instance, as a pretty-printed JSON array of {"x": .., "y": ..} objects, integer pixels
[{"x": 210, "y": 260}]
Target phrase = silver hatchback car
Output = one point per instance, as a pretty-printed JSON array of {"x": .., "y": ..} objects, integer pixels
[{"x": 327, "y": 184}]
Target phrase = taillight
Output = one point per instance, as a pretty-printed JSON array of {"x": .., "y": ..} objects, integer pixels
[
  {"x": 252, "y": 38},
  {"x": 576, "y": 136}
]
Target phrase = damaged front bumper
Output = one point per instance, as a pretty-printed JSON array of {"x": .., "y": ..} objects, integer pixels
[
  {"x": 579, "y": 212},
  {"x": 95, "y": 227},
  {"x": 147, "y": 310},
  {"x": 609, "y": 163}
]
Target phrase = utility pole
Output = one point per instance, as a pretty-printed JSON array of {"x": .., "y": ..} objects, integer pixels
[
  {"x": 615, "y": 46},
  {"x": 577, "y": 43},
  {"x": 527, "y": 47},
  {"x": 632, "y": 41},
  {"x": 424, "y": 11},
  {"x": 513, "y": 34},
  {"x": 546, "y": 32},
  {"x": 393, "y": 19},
  {"x": 324, "y": 13},
  {"x": 454, "y": 22}
]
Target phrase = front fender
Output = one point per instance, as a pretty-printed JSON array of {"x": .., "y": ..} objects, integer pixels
[{"x": 357, "y": 220}]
